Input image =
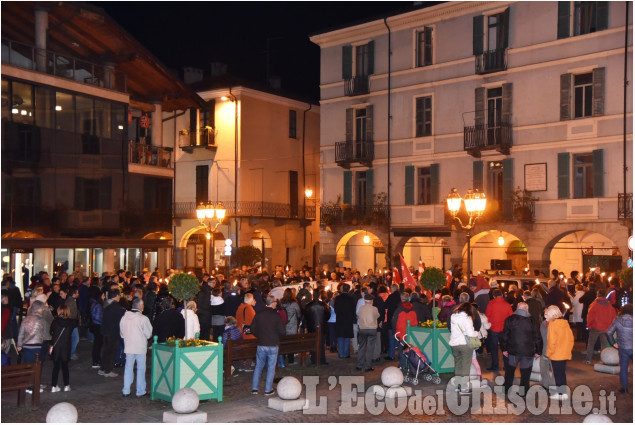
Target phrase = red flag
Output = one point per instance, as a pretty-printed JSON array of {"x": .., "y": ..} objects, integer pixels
[
  {"x": 408, "y": 280},
  {"x": 449, "y": 278},
  {"x": 395, "y": 275}
]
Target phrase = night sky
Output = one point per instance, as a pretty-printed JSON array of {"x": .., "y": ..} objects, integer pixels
[{"x": 182, "y": 34}]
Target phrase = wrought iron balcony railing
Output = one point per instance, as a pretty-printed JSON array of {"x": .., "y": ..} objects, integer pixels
[
  {"x": 28, "y": 57},
  {"x": 347, "y": 153},
  {"x": 491, "y": 61},
  {"x": 249, "y": 209},
  {"x": 359, "y": 84},
  {"x": 207, "y": 139},
  {"x": 354, "y": 214},
  {"x": 625, "y": 206},
  {"x": 482, "y": 137},
  {"x": 142, "y": 154}
]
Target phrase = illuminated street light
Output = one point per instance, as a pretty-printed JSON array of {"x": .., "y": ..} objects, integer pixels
[
  {"x": 210, "y": 216},
  {"x": 475, "y": 203}
]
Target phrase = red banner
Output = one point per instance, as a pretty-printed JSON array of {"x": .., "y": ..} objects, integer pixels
[{"x": 408, "y": 280}]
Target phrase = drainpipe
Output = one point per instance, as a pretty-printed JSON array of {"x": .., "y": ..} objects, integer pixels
[
  {"x": 235, "y": 168},
  {"x": 625, "y": 95},
  {"x": 388, "y": 140}
]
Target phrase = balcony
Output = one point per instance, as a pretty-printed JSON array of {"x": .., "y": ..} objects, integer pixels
[
  {"x": 353, "y": 215},
  {"x": 491, "y": 61},
  {"x": 144, "y": 159},
  {"x": 206, "y": 140},
  {"x": 360, "y": 84},
  {"x": 347, "y": 153},
  {"x": 28, "y": 57},
  {"x": 625, "y": 206},
  {"x": 253, "y": 209},
  {"x": 482, "y": 137}
]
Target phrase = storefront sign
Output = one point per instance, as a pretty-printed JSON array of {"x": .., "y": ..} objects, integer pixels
[{"x": 22, "y": 251}]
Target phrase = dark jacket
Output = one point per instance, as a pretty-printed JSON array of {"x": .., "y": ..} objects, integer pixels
[
  {"x": 61, "y": 331},
  {"x": 111, "y": 317},
  {"x": 344, "y": 306},
  {"x": 316, "y": 313},
  {"x": 167, "y": 324},
  {"x": 424, "y": 312},
  {"x": 521, "y": 337},
  {"x": 232, "y": 301},
  {"x": 392, "y": 303},
  {"x": 267, "y": 326},
  {"x": 535, "y": 310},
  {"x": 203, "y": 307},
  {"x": 558, "y": 298},
  {"x": 586, "y": 300}
]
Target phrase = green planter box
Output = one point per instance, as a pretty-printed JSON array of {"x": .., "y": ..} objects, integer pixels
[
  {"x": 199, "y": 368},
  {"x": 434, "y": 342}
]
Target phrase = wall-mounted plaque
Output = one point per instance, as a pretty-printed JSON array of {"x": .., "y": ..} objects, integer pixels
[{"x": 536, "y": 177}]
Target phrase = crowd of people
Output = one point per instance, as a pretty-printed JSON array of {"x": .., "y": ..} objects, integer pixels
[{"x": 365, "y": 315}]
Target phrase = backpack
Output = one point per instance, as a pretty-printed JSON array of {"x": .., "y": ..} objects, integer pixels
[{"x": 283, "y": 315}]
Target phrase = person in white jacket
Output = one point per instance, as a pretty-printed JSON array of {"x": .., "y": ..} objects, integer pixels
[
  {"x": 192, "y": 325},
  {"x": 462, "y": 326},
  {"x": 576, "y": 318},
  {"x": 135, "y": 329}
]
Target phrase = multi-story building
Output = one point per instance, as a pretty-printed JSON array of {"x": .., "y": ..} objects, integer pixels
[
  {"x": 89, "y": 124},
  {"x": 257, "y": 154},
  {"x": 524, "y": 101}
]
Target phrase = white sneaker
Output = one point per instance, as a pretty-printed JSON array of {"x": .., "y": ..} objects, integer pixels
[
  {"x": 56, "y": 389},
  {"x": 111, "y": 375},
  {"x": 67, "y": 388},
  {"x": 101, "y": 372}
]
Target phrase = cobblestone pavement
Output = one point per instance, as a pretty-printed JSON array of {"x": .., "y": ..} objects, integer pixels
[{"x": 98, "y": 399}]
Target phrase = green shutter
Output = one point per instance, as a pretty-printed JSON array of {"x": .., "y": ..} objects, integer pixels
[
  {"x": 348, "y": 187},
  {"x": 598, "y": 173},
  {"x": 347, "y": 62},
  {"x": 477, "y": 175},
  {"x": 564, "y": 9},
  {"x": 565, "y": 97},
  {"x": 602, "y": 8},
  {"x": 370, "y": 187},
  {"x": 508, "y": 188},
  {"x": 410, "y": 185},
  {"x": 506, "y": 28},
  {"x": 434, "y": 183},
  {"x": 563, "y": 175},
  {"x": 477, "y": 35},
  {"x": 507, "y": 103},
  {"x": 371, "y": 57},
  {"x": 479, "y": 106},
  {"x": 598, "y": 92},
  {"x": 349, "y": 124}
]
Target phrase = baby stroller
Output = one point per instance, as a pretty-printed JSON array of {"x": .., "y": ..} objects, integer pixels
[{"x": 417, "y": 363}]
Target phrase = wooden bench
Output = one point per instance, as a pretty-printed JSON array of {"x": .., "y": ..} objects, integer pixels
[
  {"x": 20, "y": 377},
  {"x": 244, "y": 349}
]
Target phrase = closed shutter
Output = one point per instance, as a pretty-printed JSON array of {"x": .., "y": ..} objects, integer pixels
[
  {"x": 369, "y": 123},
  {"x": 78, "y": 203},
  {"x": 349, "y": 124},
  {"x": 598, "y": 173},
  {"x": 347, "y": 62},
  {"x": 477, "y": 175},
  {"x": 370, "y": 187},
  {"x": 602, "y": 8},
  {"x": 410, "y": 185},
  {"x": 506, "y": 28},
  {"x": 479, "y": 106},
  {"x": 508, "y": 188},
  {"x": 563, "y": 175},
  {"x": 477, "y": 35},
  {"x": 371, "y": 57},
  {"x": 564, "y": 8},
  {"x": 507, "y": 103},
  {"x": 348, "y": 187},
  {"x": 565, "y": 96},
  {"x": 105, "y": 193},
  {"x": 434, "y": 183},
  {"x": 202, "y": 184},
  {"x": 598, "y": 92}
]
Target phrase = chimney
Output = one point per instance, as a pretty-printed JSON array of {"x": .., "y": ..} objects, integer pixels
[
  {"x": 218, "y": 68},
  {"x": 192, "y": 75}
]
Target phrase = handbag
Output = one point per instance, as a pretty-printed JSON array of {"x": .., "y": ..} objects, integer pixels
[
  {"x": 472, "y": 341},
  {"x": 246, "y": 328},
  {"x": 55, "y": 343}
]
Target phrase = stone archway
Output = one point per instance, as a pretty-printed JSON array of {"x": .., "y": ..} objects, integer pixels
[
  {"x": 360, "y": 249},
  {"x": 568, "y": 250}
]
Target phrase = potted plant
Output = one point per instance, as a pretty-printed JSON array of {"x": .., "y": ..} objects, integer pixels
[
  {"x": 523, "y": 202},
  {"x": 189, "y": 363}
]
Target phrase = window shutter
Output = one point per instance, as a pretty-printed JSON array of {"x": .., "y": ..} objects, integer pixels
[
  {"x": 347, "y": 62},
  {"x": 349, "y": 124},
  {"x": 434, "y": 183},
  {"x": 410, "y": 185},
  {"x": 477, "y": 35},
  {"x": 479, "y": 106},
  {"x": 371, "y": 57},
  {"x": 348, "y": 187},
  {"x": 370, "y": 187},
  {"x": 477, "y": 175},
  {"x": 565, "y": 96},
  {"x": 507, "y": 103},
  {"x": 506, "y": 28},
  {"x": 79, "y": 194},
  {"x": 508, "y": 188},
  {"x": 369, "y": 123},
  {"x": 598, "y": 173},
  {"x": 564, "y": 9},
  {"x": 602, "y": 21},
  {"x": 598, "y": 92},
  {"x": 563, "y": 175}
]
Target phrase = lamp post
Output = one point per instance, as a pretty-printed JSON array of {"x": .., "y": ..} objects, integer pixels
[
  {"x": 475, "y": 203},
  {"x": 210, "y": 216}
]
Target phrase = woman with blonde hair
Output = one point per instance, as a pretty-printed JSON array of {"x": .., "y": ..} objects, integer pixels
[
  {"x": 192, "y": 324},
  {"x": 559, "y": 347}
]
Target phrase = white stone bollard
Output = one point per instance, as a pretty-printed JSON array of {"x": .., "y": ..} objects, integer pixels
[
  {"x": 610, "y": 356},
  {"x": 62, "y": 413},
  {"x": 289, "y": 388},
  {"x": 597, "y": 419},
  {"x": 185, "y": 401},
  {"x": 392, "y": 376}
]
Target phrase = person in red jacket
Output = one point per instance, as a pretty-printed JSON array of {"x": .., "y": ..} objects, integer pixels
[
  {"x": 600, "y": 317},
  {"x": 498, "y": 310}
]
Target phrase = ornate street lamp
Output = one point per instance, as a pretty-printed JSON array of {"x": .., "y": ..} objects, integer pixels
[
  {"x": 475, "y": 203},
  {"x": 210, "y": 216}
]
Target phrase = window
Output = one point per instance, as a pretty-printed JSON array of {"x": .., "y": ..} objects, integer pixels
[
  {"x": 358, "y": 60},
  {"x": 582, "y": 95},
  {"x": 588, "y": 174},
  {"x": 202, "y": 183},
  {"x": 423, "y": 124},
  {"x": 495, "y": 181},
  {"x": 424, "y": 186},
  {"x": 64, "y": 112},
  {"x": 293, "y": 124},
  {"x": 360, "y": 189},
  {"x": 582, "y": 17},
  {"x": 22, "y": 103},
  {"x": 293, "y": 193},
  {"x": 494, "y": 114},
  {"x": 424, "y": 47},
  {"x": 496, "y": 31},
  {"x": 583, "y": 175},
  {"x": 490, "y": 33},
  {"x": 93, "y": 194},
  {"x": 360, "y": 131}
]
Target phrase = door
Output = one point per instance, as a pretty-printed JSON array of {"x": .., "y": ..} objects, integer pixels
[{"x": 293, "y": 193}]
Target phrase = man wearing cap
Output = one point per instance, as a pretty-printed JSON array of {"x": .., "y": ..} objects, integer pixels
[{"x": 368, "y": 319}]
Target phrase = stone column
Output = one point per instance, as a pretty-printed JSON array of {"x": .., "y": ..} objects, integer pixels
[
  {"x": 41, "y": 30},
  {"x": 109, "y": 260},
  {"x": 156, "y": 125},
  {"x": 179, "y": 258}
]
